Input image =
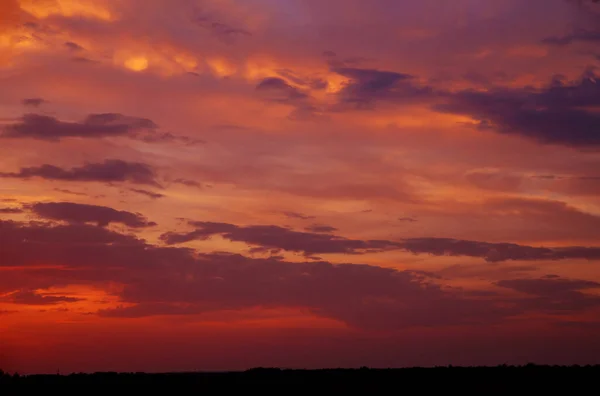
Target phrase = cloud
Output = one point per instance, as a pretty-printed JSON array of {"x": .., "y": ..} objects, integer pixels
[
  {"x": 111, "y": 170},
  {"x": 369, "y": 85},
  {"x": 555, "y": 294},
  {"x": 221, "y": 30},
  {"x": 495, "y": 180},
  {"x": 149, "y": 194},
  {"x": 279, "y": 90},
  {"x": 407, "y": 219},
  {"x": 28, "y": 297},
  {"x": 74, "y": 245},
  {"x": 310, "y": 82},
  {"x": 187, "y": 182},
  {"x": 34, "y": 102},
  {"x": 569, "y": 184},
  {"x": 43, "y": 127},
  {"x": 275, "y": 237},
  {"x": 275, "y": 89},
  {"x": 362, "y": 296},
  {"x": 296, "y": 215},
  {"x": 81, "y": 213},
  {"x": 168, "y": 137},
  {"x": 9, "y": 13},
  {"x": 73, "y": 46},
  {"x": 524, "y": 216},
  {"x": 548, "y": 286},
  {"x": 311, "y": 243},
  {"x": 176, "y": 281},
  {"x": 10, "y": 210},
  {"x": 160, "y": 278},
  {"x": 65, "y": 191},
  {"x": 496, "y": 252},
  {"x": 320, "y": 228},
  {"x": 582, "y": 35},
  {"x": 10, "y": 17},
  {"x": 558, "y": 114}
]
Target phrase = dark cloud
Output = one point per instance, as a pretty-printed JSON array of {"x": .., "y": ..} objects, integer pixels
[
  {"x": 65, "y": 191},
  {"x": 369, "y": 85},
  {"x": 221, "y": 30},
  {"x": 549, "y": 285},
  {"x": 262, "y": 250},
  {"x": 10, "y": 210},
  {"x": 314, "y": 83},
  {"x": 187, "y": 182},
  {"x": 83, "y": 59},
  {"x": 360, "y": 295},
  {"x": 73, "y": 46},
  {"x": 177, "y": 281},
  {"x": 168, "y": 137},
  {"x": 152, "y": 309},
  {"x": 407, "y": 219},
  {"x": 279, "y": 90},
  {"x": 582, "y": 35},
  {"x": 147, "y": 193},
  {"x": 80, "y": 246},
  {"x": 111, "y": 170},
  {"x": 81, "y": 213},
  {"x": 547, "y": 177},
  {"x": 320, "y": 228},
  {"x": 296, "y": 215},
  {"x": 557, "y": 114},
  {"x": 370, "y": 80},
  {"x": 311, "y": 243},
  {"x": 496, "y": 252},
  {"x": 28, "y": 297},
  {"x": 555, "y": 294},
  {"x": 33, "y": 102},
  {"x": 167, "y": 277},
  {"x": 276, "y": 237},
  {"x": 44, "y": 127}
]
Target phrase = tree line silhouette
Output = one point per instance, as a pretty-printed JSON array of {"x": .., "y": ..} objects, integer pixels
[{"x": 472, "y": 380}]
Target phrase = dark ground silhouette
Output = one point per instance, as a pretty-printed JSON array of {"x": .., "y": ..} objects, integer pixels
[{"x": 531, "y": 379}]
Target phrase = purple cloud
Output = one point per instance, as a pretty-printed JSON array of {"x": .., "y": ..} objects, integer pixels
[
  {"x": 111, "y": 170},
  {"x": 44, "y": 127},
  {"x": 82, "y": 213},
  {"x": 28, "y": 297}
]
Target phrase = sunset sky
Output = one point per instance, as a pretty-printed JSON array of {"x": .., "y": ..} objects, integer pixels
[{"x": 225, "y": 184}]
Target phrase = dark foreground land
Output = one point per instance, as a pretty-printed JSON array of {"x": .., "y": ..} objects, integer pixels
[{"x": 530, "y": 379}]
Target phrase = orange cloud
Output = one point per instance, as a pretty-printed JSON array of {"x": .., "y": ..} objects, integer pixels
[
  {"x": 137, "y": 63},
  {"x": 68, "y": 8},
  {"x": 10, "y": 14}
]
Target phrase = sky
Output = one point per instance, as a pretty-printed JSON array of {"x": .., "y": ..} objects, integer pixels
[{"x": 226, "y": 184}]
